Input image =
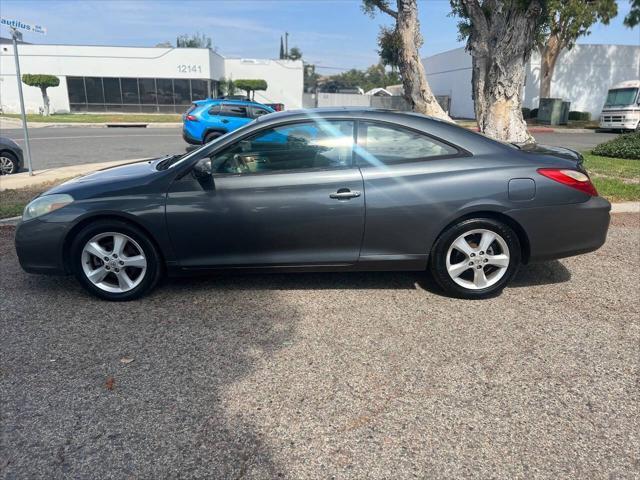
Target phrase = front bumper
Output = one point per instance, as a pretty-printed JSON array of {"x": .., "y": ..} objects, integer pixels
[
  {"x": 628, "y": 125},
  {"x": 564, "y": 230},
  {"x": 40, "y": 245}
]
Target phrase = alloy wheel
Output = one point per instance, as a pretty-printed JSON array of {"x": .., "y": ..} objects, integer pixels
[
  {"x": 7, "y": 166},
  {"x": 478, "y": 259},
  {"x": 114, "y": 262}
]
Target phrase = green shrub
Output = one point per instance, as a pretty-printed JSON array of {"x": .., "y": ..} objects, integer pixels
[
  {"x": 624, "y": 146},
  {"x": 581, "y": 116},
  {"x": 526, "y": 113},
  {"x": 533, "y": 113}
]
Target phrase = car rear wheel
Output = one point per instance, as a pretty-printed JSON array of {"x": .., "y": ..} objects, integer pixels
[
  {"x": 211, "y": 136},
  {"x": 8, "y": 163},
  {"x": 115, "y": 260},
  {"x": 475, "y": 258}
]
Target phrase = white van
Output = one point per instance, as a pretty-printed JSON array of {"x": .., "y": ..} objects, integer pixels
[{"x": 621, "y": 110}]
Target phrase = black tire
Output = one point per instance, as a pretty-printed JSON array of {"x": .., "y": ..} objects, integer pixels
[
  {"x": 440, "y": 250},
  {"x": 211, "y": 136},
  {"x": 9, "y": 163},
  {"x": 154, "y": 267}
]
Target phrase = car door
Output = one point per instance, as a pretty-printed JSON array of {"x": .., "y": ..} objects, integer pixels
[
  {"x": 234, "y": 116},
  {"x": 284, "y": 196},
  {"x": 408, "y": 178}
]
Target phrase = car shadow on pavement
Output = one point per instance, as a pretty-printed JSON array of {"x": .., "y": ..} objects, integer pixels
[
  {"x": 528, "y": 275},
  {"x": 143, "y": 389},
  {"x": 545, "y": 273}
]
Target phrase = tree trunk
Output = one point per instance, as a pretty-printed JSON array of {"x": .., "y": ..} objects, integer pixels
[
  {"x": 550, "y": 54},
  {"x": 45, "y": 100},
  {"x": 500, "y": 44},
  {"x": 498, "y": 100},
  {"x": 417, "y": 92}
]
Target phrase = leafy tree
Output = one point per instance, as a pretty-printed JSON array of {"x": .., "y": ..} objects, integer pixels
[
  {"x": 417, "y": 92},
  {"x": 226, "y": 86},
  {"x": 251, "y": 86},
  {"x": 567, "y": 21},
  {"x": 295, "y": 54},
  {"x": 42, "y": 82},
  {"x": 373, "y": 77},
  {"x": 390, "y": 46},
  {"x": 196, "y": 40},
  {"x": 633, "y": 17},
  {"x": 500, "y": 37}
]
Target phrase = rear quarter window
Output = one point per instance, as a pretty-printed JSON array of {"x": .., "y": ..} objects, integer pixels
[{"x": 388, "y": 145}]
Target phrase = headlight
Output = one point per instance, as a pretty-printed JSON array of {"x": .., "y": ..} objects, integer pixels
[{"x": 46, "y": 204}]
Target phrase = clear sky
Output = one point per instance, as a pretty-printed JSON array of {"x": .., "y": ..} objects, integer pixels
[{"x": 334, "y": 34}]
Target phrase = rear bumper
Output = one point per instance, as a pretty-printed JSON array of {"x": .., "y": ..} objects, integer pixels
[
  {"x": 564, "y": 230},
  {"x": 187, "y": 137},
  {"x": 39, "y": 246}
]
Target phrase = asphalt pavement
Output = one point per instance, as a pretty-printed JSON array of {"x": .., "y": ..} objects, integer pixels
[
  {"x": 306, "y": 376},
  {"x": 63, "y": 146}
]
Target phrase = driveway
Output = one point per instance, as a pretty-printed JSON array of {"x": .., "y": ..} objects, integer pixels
[
  {"x": 302, "y": 376},
  {"x": 64, "y": 146}
]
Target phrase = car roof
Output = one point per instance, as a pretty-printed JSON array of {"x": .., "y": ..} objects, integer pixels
[
  {"x": 347, "y": 112},
  {"x": 462, "y": 137},
  {"x": 216, "y": 101}
]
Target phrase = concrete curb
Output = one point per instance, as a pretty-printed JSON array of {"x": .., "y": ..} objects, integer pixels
[
  {"x": 4, "y": 124},
  {"x": 625, "y": 207},
  {"x": 24, "y": 180}
]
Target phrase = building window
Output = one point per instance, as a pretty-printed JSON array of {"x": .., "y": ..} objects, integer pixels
[{"x": 136, "y": 94}]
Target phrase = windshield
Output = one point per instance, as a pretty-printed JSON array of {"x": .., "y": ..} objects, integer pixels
[{"x": 621, "y": 96}]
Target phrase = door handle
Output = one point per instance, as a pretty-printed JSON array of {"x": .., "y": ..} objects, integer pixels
[
  {"x": 344, "y": 194},
  {"x": 224, "y": 120}
]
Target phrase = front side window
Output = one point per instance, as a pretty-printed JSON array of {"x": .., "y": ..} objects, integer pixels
[
  {"x": 308, "y": 145},
  {"x": 387, "y": 145},
  {"x": 258, "y": 112}
]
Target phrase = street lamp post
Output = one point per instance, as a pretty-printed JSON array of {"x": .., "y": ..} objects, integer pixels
[{"x": 16, "y": 35}]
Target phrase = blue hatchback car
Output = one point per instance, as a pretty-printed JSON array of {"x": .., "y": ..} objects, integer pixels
[{"x": 209, "y": 119}]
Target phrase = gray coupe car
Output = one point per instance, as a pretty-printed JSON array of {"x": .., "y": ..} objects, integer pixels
[{"x": 319, "y": 190}]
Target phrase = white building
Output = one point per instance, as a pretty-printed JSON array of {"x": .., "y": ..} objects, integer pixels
[
  {"x": 582, "y": 76},
  {"x": 138, "y": 79}
]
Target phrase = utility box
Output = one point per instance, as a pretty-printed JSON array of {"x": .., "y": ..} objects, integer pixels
[
  {"x": 550, "y": 111},
  {"x": 564, "y": 117}
]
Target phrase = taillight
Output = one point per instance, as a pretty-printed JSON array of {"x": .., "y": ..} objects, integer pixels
[
  {"x": 570, "y": 178},
  {"x": 191, "y": 118}
]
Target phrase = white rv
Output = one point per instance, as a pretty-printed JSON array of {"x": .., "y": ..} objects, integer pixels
[{"x": 621, "y": 110}]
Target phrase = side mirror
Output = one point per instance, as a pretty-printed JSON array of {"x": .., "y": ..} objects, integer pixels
[
  {"x": 203, "y": 168},
  {"x": 203, "y": 172}
]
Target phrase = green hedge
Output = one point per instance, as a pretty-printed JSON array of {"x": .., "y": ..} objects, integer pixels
[
  {"x": 526, "y": 113},
  {"x": 624, "y": 146},
  {"x": 533, "y": 113},
  {"x": 582, "y": 116}
]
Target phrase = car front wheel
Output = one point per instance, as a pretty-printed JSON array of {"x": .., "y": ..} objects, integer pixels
[
  {"x": 8, "y": 163},
  {"x": 115, "y": 260},
  {"x": 475, "y": 258}
]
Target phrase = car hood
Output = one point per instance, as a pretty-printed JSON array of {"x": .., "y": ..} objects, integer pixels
[{"x": 112, "y": 178}]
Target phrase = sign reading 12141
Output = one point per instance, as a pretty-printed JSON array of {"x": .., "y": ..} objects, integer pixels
[{"x": 27, "y": 27}]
